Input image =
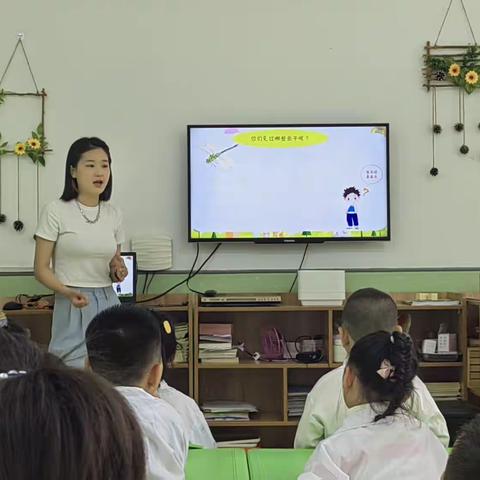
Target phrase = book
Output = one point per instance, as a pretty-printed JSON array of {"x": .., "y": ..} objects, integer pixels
[
  {"x": 215, "y": 329},
  {"x": 220, "y": 360},
  {"x": 433, "y": 303},
  {"x": 242, "y": 443},
  {"x": 228, "y": 406}
]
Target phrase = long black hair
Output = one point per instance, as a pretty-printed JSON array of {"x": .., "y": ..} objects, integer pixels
[
  {"x": 77, "y": 149},
  {"x": 394, "y": 388}
]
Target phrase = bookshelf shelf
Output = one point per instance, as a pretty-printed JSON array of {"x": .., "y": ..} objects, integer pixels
[
  {"x": 261, "y": 365},
  {"x": 266, "y": 384}
]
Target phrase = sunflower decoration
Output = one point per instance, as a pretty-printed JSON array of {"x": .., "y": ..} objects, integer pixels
[
  {"x": 471, "y": 77},
  {"x": 34, "y": 144},
  {"x": 454, "y": 70},
  {"x": 20, "y": 149},
  {"x": 34, "y": 147}
]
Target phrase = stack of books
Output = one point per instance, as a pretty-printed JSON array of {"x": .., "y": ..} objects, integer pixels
[
  {"x": 216, "y": 343},
  {"x": 297, "y": 396},
  {"x": 227, "y": 411},
  {"x": 444, "y": 390},
  {"x": 181, "y": 335}
]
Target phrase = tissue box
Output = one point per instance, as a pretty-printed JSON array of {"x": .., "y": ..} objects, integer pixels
[{"x": 321, "y": 287}]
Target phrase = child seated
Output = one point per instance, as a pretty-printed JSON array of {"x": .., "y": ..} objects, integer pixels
[
  {"x": 366, "y": 311},
  {"x": 195, "y": 424},
  {"x": 124, "y": 345},
  {"x": 464, "y": 461},
  {"x": 58, "y": 423},
  {"x": 379, "y": 439}
]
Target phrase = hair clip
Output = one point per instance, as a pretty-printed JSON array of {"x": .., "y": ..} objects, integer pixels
[
  {"x": 392, "y": 340},
  {"x": 3, "y": 323},
  {"x": 167, "y": 327},
  {"x": 386, "y": 369},
  {"x": 12, "y": 373}
]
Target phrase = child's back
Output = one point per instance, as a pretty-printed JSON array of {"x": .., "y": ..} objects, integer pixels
[
  {"x": 166, "y": 442},
  {"x": 396, "y": 447}
]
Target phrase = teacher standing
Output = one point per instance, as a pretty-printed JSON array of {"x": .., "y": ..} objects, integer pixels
[{"x": 77, "y": 253}]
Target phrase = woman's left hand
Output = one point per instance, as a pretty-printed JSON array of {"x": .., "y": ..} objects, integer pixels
[{"x": 118, "y": 269}]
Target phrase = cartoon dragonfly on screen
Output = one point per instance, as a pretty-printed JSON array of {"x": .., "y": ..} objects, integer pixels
[{"x": 219, "y": 158}]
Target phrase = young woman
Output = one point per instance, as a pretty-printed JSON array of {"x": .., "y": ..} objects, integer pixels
[
  {"x": 379, "y": 439},
  {"x": 77, "y": 253}
]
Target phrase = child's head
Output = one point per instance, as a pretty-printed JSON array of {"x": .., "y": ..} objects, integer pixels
[
  {"x": 124, "y": 345},
  {"x": 17, "y": 352},
  {"x": 366, "y": 311},
  {"x": 380, "y": 370},
  {"x": 60, "y": 423},
  {"x": 351, "y": 194},
  {"x": 464, "y": 461}
]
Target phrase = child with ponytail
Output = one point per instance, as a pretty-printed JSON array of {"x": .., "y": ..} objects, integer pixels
[{"x": 379, "y": 438}]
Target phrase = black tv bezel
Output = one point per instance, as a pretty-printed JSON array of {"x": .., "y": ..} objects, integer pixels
[{"x": 289, "y": 239}]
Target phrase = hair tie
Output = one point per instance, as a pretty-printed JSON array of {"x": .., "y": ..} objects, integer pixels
[
  {"x": 11, "y": 374},
  {"x": 386, "y": 369},
  {"x": 3, "y": 323},
  {"x": 392, "y": 340},
  {"x": 167, "y": 327}
]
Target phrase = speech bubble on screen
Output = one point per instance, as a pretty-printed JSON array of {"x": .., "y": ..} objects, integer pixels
[
  {"x": 280, "y": 138},
  {"x": 372, "y": 174}
]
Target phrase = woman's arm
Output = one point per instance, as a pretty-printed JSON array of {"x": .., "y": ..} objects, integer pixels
[{"x": 44, "y": 274}]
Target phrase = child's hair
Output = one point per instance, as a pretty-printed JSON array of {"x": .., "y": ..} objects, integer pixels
[
  {"x": 169, "y": 341},
  {"x": 369, "y": 310},
  {"x": 350, "y": 190},
  {"x": 123, "y": 342},
  {"x": 464, "y": 461},
  {"x": 17, "y": 352},
  {"x": 60, "y": 423},
  {"x": 385, "y": 364}
]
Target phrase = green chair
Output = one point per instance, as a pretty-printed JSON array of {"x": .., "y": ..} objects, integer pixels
[
  {"x": 217, "y": 464},
  {"x": 277, "y": 463}
]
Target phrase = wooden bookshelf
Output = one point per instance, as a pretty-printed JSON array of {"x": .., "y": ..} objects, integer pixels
[
  {"x": 178, "y": 308},
  {"x": 265, "y": 384}
]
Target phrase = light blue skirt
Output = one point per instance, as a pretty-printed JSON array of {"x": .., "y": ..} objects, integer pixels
[{"x": 70, "y": 323}]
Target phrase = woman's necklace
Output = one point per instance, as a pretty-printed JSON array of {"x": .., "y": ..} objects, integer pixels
[{"x": 82, "y": 213}]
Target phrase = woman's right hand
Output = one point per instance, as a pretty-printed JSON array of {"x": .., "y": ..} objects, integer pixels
[{"x": 77, "y": 299}]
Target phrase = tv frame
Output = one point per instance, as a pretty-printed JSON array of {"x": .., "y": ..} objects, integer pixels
[{"x": 275, "y": 240}]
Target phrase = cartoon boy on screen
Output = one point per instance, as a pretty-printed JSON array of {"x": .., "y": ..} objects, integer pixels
[{"x": 351, "y": 196}]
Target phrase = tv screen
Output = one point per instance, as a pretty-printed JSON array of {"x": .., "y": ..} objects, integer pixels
[{"x": 288, "y": 183}]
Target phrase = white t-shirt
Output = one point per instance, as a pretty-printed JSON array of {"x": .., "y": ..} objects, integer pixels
[
  {"x": 325, "y": 410},
  {"x": 166, "y": 442},
  {"x": 195, "y": 424},
  {"x": 83, "y": 250},
  {"x": 394, "y": 448}
]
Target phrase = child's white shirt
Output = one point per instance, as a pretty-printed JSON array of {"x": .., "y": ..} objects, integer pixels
[
  {"x": 398, "y": 447},
  {"x": 166, "y": 442},
  {"x": 195, "y": 424}
]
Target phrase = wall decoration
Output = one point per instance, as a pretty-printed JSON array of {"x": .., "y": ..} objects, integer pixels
[
  {"x": 451, "y": 66},
  {"x": 33, "y": 146}
]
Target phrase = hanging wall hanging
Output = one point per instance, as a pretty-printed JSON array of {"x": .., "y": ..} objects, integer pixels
[
  {"x": 33, "y": 146},
  {"x": 451, "y": 66}
]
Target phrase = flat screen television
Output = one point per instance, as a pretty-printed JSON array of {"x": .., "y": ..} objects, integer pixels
[{"x": 288, "y": 183}]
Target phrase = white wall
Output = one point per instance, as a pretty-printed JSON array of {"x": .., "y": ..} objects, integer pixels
[{"x": 136, "y": 73}]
